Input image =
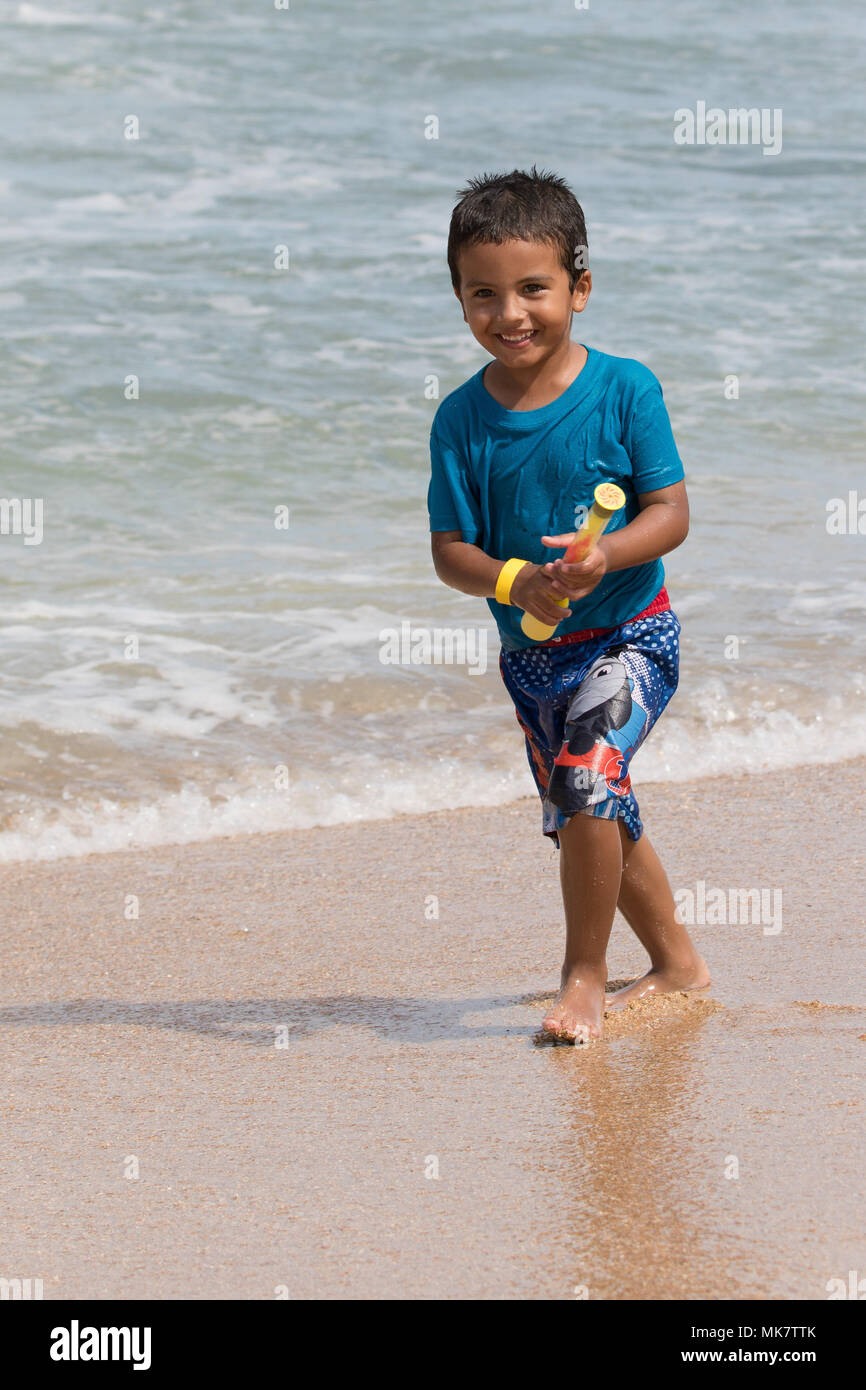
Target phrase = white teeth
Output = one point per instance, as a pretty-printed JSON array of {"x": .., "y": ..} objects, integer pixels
[{"x": 516, "y": 339}]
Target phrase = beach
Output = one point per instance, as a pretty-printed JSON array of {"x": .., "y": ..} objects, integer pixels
[
  {"x": 288, "y": 1078},
  {"x": 279, "y": 920}
]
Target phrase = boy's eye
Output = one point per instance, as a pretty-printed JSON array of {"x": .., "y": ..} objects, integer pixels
[{"x": 530, "y": 288}]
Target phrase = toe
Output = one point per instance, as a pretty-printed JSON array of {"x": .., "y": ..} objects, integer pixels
[{"x": 574, "y": 1030}]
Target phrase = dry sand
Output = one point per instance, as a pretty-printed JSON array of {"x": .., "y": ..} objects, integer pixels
[{"x": 409, "y": 1051}]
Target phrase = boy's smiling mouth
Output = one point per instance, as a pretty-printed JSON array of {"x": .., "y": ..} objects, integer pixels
[{"x": 516, "y": 340}]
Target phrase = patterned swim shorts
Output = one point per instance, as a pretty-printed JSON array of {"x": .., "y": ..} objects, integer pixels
[{"x": 585, "y": 707}]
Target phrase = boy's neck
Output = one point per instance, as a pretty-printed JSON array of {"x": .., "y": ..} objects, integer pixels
[{"x": 536, "y": 386}]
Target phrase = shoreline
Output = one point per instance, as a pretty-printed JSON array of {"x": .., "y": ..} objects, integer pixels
[{"x": 650, "y": 786}]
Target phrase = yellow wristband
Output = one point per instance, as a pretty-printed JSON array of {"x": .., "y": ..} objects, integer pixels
[{"x": 507, "y": 576}]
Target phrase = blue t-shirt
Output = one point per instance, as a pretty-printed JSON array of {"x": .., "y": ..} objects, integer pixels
[{"x": 505, "y": 478}]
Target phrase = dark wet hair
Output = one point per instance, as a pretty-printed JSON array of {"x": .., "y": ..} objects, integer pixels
[{"x": 520, "y": 206}]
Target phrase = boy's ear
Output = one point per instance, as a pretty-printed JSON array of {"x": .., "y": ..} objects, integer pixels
[
  {"x": 580, "y": 293},
  {"x": 460, "y": 302}
]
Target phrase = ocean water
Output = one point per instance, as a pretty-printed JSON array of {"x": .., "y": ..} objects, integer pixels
[{"x": 175, "y": 666}]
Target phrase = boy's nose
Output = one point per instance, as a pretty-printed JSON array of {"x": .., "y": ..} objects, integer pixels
[{"x": 511, "y": 316}]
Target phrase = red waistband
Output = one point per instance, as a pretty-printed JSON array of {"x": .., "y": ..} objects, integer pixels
[{"x": 660, "y": 604}]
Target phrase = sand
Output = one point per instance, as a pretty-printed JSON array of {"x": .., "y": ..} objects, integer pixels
[{"x": 326, "y": 1093}]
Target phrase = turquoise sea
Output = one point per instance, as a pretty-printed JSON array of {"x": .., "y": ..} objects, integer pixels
[{"x": 244, "y": 314}]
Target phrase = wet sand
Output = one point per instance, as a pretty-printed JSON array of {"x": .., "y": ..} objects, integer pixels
[{"x": 310, "y": 1166}]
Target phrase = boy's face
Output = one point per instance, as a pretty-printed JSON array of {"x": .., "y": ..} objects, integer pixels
[{"x": 516, "y": 299}]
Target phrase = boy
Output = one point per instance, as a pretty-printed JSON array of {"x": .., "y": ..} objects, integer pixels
[{"x": 516, "y": 454}]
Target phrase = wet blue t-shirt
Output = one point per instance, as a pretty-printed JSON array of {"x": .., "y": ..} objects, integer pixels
[{"x": 505, "y": 478}]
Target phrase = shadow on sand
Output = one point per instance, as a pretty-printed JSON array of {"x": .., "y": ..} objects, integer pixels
[{"x": 254, "y": 1021}]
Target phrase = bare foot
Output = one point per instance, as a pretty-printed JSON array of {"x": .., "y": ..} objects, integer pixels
[
  {"x": 670, "y": 979},
  {"x": 577, "y": 1012}
]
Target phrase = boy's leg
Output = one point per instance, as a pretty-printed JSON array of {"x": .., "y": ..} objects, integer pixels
[
  {"x": 590, "y": 870},
  {"x": 647, "y": 904},
  {"x": 602, "y": 868},
  {"x": 589, "y": 805}
]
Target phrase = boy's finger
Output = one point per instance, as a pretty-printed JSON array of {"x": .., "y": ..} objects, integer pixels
[
  {"x": 552, "y": 616},
  {"x": 553, "y": 581},
  {"x": 578, "y": 568},
  {"x": 572, "y": 589},
  {"x": 558, "y": 541},
  {"x": 548, "y": 612}
]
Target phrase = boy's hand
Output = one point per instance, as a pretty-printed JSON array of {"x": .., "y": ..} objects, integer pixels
[
  {"x": 577, "y": 580},
  {"x": 533, "y": 591}
]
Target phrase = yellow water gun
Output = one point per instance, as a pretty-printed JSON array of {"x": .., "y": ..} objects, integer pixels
[{"x": 608, "y": 499}]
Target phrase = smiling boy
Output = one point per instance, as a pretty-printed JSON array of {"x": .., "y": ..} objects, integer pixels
[{"x": 516, "y": 454}]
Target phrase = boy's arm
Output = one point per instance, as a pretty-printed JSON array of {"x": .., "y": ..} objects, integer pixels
[
  {"x": 463, "y": 566},
  {"x": 661, "y": 525},
  {"x": 467, "y": 567}
]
